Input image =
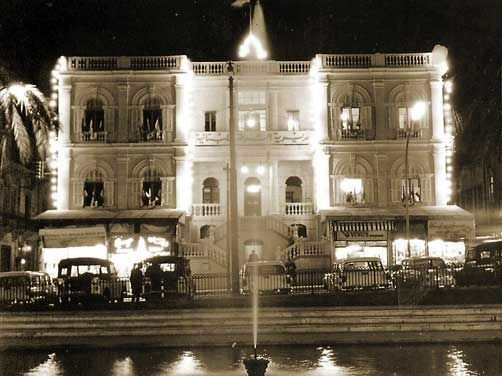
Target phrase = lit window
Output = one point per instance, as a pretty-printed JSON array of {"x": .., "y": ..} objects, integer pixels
[
  {"x": 353, "y": 190},
  {"x": 93, "y": 194},
  {"x": 210, "y": 191},
  {"x": 404, "y": 119},
  {"x": 293, "y": 120},
  {"x": 210, "y": 121},
  {"x": 413, "y": 188},
  {"x": 93, "y": 120},
  {"x": 350, "y": 118},
  {"x": 151, "y": 194},
  {"x": 151, "y": 129},
  {"x": 254, "y": 120}
]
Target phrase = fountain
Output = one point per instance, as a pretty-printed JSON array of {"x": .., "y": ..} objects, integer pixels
[{"x": 255, "y": 366}]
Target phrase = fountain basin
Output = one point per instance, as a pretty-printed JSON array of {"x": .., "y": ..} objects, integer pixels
[{"x": 256, "y": 366}]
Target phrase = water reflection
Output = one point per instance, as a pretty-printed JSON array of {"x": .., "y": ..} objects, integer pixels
[{"x": 460, "y": 359}]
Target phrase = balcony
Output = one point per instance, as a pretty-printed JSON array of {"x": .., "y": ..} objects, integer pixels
[
  {"x": 354, "y": 134},
  {"x": 298, "y": 208},
  {"x": 207, "y": 210},
  {"x": 414, "y": 134},
  {"x": 99, "y": 137}
]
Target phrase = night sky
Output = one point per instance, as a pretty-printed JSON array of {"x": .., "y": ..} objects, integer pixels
[{"x": 34, "y": 33}]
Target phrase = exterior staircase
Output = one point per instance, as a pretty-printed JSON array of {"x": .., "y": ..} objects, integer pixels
[
  {"x": 205, "y": 257},
  {"x": 308, "y": 254}
]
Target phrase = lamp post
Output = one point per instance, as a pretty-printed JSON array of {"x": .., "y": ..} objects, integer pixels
[{"x": 417, "y": 112}]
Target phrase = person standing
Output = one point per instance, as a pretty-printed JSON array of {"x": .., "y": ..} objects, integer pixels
[{"x": 136, "y": 282}]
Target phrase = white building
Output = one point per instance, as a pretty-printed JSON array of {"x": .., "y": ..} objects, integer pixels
[{"x": 320, "y": 147}]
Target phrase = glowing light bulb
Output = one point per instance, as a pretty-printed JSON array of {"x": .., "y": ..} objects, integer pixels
[
  {"x": 251, "y": 122},
  {"x": 417, "y": 111},
  {"x": 244, "y": 169},
  {"x": 260, "y": 170}
]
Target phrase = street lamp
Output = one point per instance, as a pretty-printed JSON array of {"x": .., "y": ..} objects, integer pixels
[{"x": 416, "y": 114}]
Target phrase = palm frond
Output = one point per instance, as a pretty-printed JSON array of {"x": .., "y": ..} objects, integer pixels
[
  {"x": 40, "y": 131},
  {"x": 6, "y": 105},
  {"x": 21, "y": 136}
]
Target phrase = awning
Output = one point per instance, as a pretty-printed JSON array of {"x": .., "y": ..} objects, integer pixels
[
  {"x": 107, "y": 215},
  {"x": 363, "y": 226},
  {"x": 349, "y": 213},
  {"x": 72, "y": 236}
]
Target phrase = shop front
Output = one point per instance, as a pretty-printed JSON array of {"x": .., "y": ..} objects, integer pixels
[
  {"x": 377, "y": 232},
  {"x": 123, "y": 237}
]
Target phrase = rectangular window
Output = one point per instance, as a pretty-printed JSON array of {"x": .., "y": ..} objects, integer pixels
[
  {"x": 93, "y": 194},
  {"x": 353, "y": 190},
  {"x": 413, "y": 188},
  {"x": 93, "y": 121},
  {"x": 210, "y": 121},
  {"x": 152, "y": 125},
  {"x": 254, "y": 120},
  {"x": 293, "y": 120},
  {"x": 151, "y": 194},
  {"x": 350, "y": 117},
  {"x": 252, "y": 97},
  {"x": 403, "y": 118}
]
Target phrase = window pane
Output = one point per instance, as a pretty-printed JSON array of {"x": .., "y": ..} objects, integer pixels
[
  {"x": 403, "y": 117},
  {"x": 293, "y": 120},
  {"x": 210, "y": 121},
  {"x": 355, "y": 117}
]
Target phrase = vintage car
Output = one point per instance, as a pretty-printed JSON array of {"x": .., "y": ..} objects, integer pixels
[
  {"x": 265, "y": 277},
  {"x": 359, "y": 273},
  {"x": 483, "y": 265},
  {"x": 87, "y": 278},
  {"x": 26, "y": 287},
  {"x": 167, "y": 277},
  {"x": 428, "y": 271}
]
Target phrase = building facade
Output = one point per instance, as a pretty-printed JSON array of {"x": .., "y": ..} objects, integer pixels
[{"x": 327, "y": 151}]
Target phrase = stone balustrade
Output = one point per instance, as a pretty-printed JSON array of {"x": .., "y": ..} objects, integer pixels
[
  {"x": 298, "y": 208},
  {"x": 207, "y": 210},
  {"x": 181, "y": 63},
  {"x": 306, "y": 249},
  {"x": 101, "y": 136},
  {"x": 414, "y": 134},
  {"x": 204, "y": 250}
]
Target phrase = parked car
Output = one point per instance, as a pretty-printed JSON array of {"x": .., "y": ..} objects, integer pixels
[
  {"x": 424, "y": 271},
  {"x": 26, "y": 288},
  {"x": 359, "y": 273},
  {"x": 483, "y": 265},
  {"x": 167, "y": 276},
  {"x": 87, "y": 278},
  {"x": 266, "y": 277}
]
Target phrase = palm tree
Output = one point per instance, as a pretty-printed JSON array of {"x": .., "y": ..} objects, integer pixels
[{"x": 28, "y": 120}]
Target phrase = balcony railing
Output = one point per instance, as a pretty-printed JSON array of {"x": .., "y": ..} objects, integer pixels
[
  {"x": 354, "y": 134},
  {"x": 207, "y": 210},
  {"x": 298, "y": 208},
  {"x": 252, "y": 67},
  {"x": 94, "y": 136},
  {"x": 375, "y": 60},
  {"x": 100, "y": 63},
  {"x": 401, "y": 134},
  {"x": 306, "y": 249}
]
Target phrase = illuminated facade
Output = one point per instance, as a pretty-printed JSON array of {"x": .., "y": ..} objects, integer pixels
[{"x": 320, "y": 149}]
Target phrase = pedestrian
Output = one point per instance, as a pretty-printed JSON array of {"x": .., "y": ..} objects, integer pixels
[
  {"x": 136, "y": 282},
  {"x": 290, "y": 268},
  {"x": 155, "y": 274}
]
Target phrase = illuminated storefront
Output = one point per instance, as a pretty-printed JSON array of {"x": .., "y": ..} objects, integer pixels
[
  {"x": 124, "y": 238},
  {"x": 434, "y": 231}
]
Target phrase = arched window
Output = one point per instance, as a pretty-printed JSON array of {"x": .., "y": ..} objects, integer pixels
[
  {"x": 152, "y": 120},
  {"x": 210, "y": 191},
  {"x": 299, "y": 230},
  {"x": 93, "y": 121},
  {"x": 294, "y": 189},
  {"x": 93, "y": 189},
  {"x": 151, "y": 193},
  {"x": 207, "y": 232}
]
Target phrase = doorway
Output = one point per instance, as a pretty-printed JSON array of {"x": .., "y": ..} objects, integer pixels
[{"x": 252, "y": 197}]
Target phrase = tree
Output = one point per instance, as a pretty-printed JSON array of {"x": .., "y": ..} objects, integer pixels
[{"x": 28, "y": 120}]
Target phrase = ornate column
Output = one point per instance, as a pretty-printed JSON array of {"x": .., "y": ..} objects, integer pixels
[
  {"x": 122, "y": 180},
  {"x": 382, "y": 187},
  {"x": 64, "y": 110},
  {"x": 439, "y": 155},
  {"x": 437, "y": 109},
  {"x": 275, "y": 189},
  {"x": 380, "y": 118},
  {"x": 322, "y": 109},
  {"x": 64, "y": 160},
  {"x": 321, "y": 179},
  {"x": 123, "y": 123},
  {"x": 274, "y": 111}
]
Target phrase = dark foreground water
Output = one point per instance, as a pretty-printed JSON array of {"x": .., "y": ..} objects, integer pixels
[{"x": 441, "y": 359}]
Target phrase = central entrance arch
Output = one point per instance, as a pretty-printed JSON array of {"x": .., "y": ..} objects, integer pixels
[{"x": 252, "y": 197}]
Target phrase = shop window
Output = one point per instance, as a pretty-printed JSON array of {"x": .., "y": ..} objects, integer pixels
[
  {"x": 210, "y": 191},
  {"x": 293, "y": 120},
  {"x": 152, "y": 121},
  {"x": 210, "y": 121},
  {"x": 93, "y": 121},
  {"x": 353, "y": 190},
  {"x": 412, "y": 190}
]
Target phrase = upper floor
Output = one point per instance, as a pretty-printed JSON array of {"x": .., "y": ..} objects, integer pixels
[{"x": 169, "y": 99}]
